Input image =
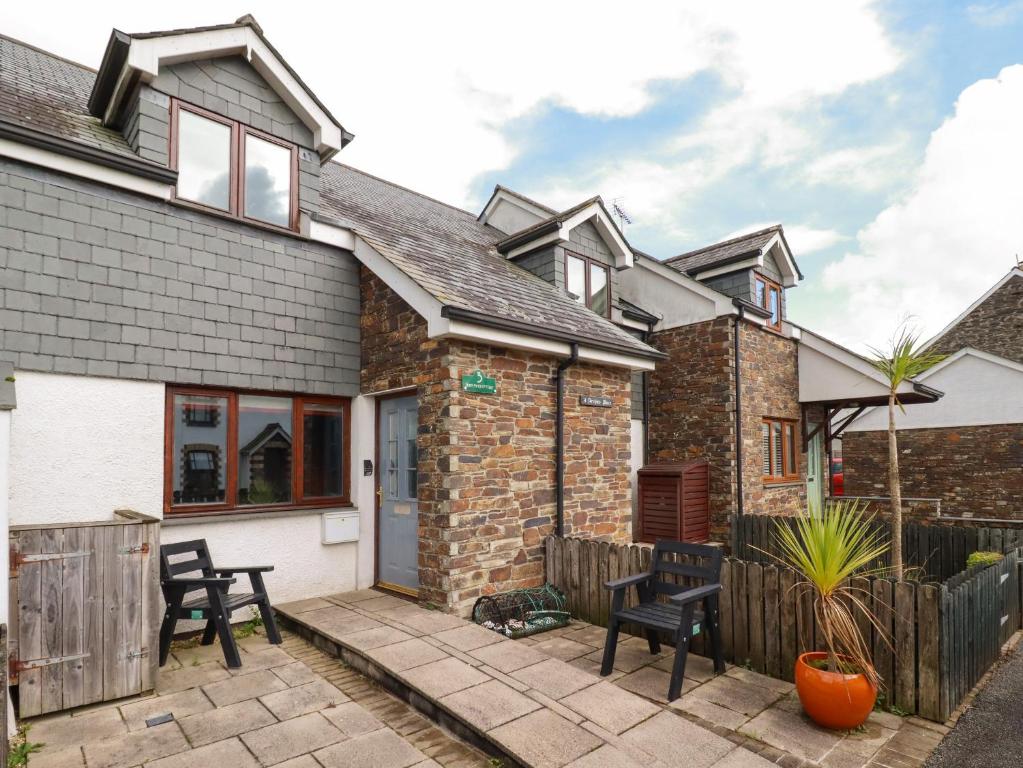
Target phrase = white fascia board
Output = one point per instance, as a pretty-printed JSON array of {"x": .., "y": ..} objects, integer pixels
[
  {"x": 84, "y": 169},
  {"x": 1014, "y": 272},
  {"x": 558, "y": 236},
  {"x": 790, "y": 275},
  {"x": 722, "y": 304},
  {"x": 615, "y": 359},
  {"x": 605, "y": 228},
  {"x": 755, "y": 261},
  {"x": 146, "y": 55},
  {"x": 628, "y": 322}
]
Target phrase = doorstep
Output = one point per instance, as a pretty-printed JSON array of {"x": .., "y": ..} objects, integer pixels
[{"x": 516, "y": 702}]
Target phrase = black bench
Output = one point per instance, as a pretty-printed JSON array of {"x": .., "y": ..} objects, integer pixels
[
  {"x": 677, "y": 617},
  {"x": 195, "y": 572}
]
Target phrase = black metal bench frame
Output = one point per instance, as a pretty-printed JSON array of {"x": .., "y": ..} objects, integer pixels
[
  {"x": 216, "y": 605},
  {"x": 677, "y": 617}
]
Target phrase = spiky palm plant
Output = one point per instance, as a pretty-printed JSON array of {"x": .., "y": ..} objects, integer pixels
[
  {"x": 827, "y": 548},
  {"x": 899, "y": 364}
]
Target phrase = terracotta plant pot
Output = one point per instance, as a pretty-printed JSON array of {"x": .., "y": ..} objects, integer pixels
[{"x": 833, "y": 699}]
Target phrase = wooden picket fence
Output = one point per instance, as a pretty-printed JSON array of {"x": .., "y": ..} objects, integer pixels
[
  {"x": 934, "y": 552},
  {"x": 941, "y": 639}
]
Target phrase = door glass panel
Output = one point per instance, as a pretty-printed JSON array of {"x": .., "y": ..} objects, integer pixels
[
  {"x": 267, "y": 181},
  {"x": 598, "y": 289},
  {"x": 264, "y": 449},
  {"x": 204, "y": 160},
  {"x": 790, "y": 437},
  {"x": 575, "y": 278},
  {"x": 392, "y": 455},
  {"x": 411, "y": 428},
  {"x": 322, "y": 430},
  {"x": 200, "y": 449}
]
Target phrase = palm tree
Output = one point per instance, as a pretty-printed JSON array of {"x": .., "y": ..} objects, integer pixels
[{"x": 899, "y": 364}]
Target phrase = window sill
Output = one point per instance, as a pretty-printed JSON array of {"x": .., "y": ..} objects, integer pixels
[
  {"x": 231, "y": 516},
  {"x": 227, "y": 216},
  {"x": 787, "y": 483}
]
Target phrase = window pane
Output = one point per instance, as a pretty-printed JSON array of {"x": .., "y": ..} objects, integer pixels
[
  {"x": 204, "y": 160},
  {"x": 200, "y": 449},
  {"x": 411, "y": 428},
  {"x": 761, "y": 288},
  {"x": 790, "y": 444},
  {"x": 267, "y": 181},
  {"x": 575, "y": 278},
  {"x": 264, "y": 449},
  {"x": 598, "y": 289},
  {"x": 765, "y": 435},
  {"x": 776, "y": 448},
  {"x": 321, "y": 450},
  {"x": 392, "y": 455},
  {"x": 773, "y": 306}
]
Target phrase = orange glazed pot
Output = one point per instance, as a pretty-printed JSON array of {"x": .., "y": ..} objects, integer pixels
[{"x": 833, "y": 699}]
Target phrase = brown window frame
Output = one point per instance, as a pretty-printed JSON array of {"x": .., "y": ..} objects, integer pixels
[
  {"x": 236, "y": 196},
  {"x": 789, "y": 450},
  {"x": 769, "y": 285},
  {"x": 230, "y": 504},
  {"x": 588, "y": 298}
]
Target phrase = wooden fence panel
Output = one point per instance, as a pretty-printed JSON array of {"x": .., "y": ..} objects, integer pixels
[
  {"x": 903, "y": 685},
  {"x": 772, "y": 623}
]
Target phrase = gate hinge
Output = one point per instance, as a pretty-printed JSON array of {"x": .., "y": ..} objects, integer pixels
[
  {"x": 21, "y": 666},
  {"x": 141, "y": 549},
  {"x": 18, "y": 559}
]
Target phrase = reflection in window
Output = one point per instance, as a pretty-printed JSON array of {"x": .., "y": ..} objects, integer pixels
[
  {"x": 322, "y": 430},
  {"x": 267, "y": 181},
  {"x": 264, "y": 449},
  {"x": 598, "y": 289},
  {"x": 575, "y": 278},
  {"x": 204, "y": 160},
  {"x": 198, "y": 474}
]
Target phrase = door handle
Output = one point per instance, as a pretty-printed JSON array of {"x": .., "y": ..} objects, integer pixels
[{"x": 380, "y": 495}]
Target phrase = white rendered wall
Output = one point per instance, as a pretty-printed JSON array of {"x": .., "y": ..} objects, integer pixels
[
  {"x": 5, "y": 437},
  {"x": 977, "y": 392},
  {"x": 82, "y": 447},
  {"x": 637, "y": 434}
]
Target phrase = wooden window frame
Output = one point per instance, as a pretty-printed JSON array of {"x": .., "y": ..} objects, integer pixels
[
  {"x": 587, "y": 261},
  {"x": 236, "y": 195},
  {"x": 789, "y": 450},
  {"x": 230, "y": 464},
  {"x": 769, "y": 285}
]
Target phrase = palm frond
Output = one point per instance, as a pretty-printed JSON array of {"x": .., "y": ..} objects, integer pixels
[{"x": 904, "y": 360}]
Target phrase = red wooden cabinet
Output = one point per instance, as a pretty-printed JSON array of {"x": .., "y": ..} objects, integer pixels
[{"x": 674, "y": 502}]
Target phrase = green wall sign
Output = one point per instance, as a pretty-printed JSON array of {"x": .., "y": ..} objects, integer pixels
[{"x": 477, "y": 382}]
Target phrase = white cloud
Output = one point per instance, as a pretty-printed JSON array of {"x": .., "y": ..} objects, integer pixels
[
  {"x": 951, "y": 237},
  {"x": 806, "y": 240},
  {"x": 866, "y": 169},
  {"x": 429, "y": 89},
  {"x": 994, "y": 14}
]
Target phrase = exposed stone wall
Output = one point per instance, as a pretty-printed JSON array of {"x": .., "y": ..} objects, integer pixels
[
  {"x": 996, "y": 326},
  {"x": 976, "y": 471},
  {"x": 692, "y": 408},
  {"x": 487, "y": 463},
  {"x": 770, "y": 388}
]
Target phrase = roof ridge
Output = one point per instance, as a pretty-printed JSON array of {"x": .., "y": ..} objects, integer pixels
[
  {"x": 720, "y": 243},
  {"x": 402, "y": 187},
  {"x": 45, "y": 52}
]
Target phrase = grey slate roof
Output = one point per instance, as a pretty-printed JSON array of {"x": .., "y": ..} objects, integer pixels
[
  {"x": 723, "y": 252},
  {"x": 452, "y": 256},
  {"x": 48, "y": 94}
]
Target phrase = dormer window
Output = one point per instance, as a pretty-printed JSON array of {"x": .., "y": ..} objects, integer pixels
[
  {"x": 768, "y": 296},
  {"x": 232, "y": 168},
  {"x": 588, "y": 282}
]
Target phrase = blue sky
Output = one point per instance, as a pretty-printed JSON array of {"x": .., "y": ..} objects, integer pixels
[{"x": 885, "y": 136}]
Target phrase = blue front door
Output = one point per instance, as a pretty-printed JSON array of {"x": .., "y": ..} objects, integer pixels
[{"x": 398, "y": 491}]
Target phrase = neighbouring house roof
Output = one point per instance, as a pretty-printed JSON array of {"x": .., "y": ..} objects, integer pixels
[
  {"x": 734, "y": 250},
  {"x": 451, "y": 255},
  {"x": 1012, "y": 274},
  {"x": 268, "y": 432}
]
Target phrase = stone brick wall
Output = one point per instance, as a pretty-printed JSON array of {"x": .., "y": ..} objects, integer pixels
[
  {"x": 692, "y": 408},
  {"x": 102, "y": 282},
  {"x": 770, "y": 388},
  {"x": 976, "y": 471},
  {"x": 996, "y": 326},
  {"x": 486, "y": 462}
]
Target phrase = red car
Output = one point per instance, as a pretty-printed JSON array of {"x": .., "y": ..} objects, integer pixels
[{"x": 837, "y": 478}]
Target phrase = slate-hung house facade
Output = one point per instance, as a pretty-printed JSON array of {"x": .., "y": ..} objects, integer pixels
[
  {"x": 211, "y": 320},
  {"x": 967, "y": 450}
]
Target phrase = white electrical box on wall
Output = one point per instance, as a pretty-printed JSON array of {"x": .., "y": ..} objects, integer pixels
[{"x": 339, "y": 527}]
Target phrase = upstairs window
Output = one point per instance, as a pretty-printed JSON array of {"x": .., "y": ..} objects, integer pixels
[
  {"x": 234, "y": 169},
  {"x": 768, "y": 296},
  {"x": 588, "y": 282},
  {"x": 779, "y": 455}
]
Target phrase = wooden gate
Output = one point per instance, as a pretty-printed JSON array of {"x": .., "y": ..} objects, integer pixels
[{"x": 86, "y": 612}]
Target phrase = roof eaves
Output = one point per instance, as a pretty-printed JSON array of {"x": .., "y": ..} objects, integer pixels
[
  {"x": 544, "y": 227},
  {"x": 739, "y": 257},
  {"x": 722, "y": 243}
]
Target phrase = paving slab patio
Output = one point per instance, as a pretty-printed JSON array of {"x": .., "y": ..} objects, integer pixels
[
  {"x": 291, "y": 706},
  {"x": 537, "y": 703}
]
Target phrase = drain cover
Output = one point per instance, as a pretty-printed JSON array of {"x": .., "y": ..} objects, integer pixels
[{"x": 160, "y": 719}]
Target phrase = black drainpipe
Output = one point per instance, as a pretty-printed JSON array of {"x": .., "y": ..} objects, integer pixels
[
  {"x": 738, "y": 428},
  {"x": 559, "y": 438}
]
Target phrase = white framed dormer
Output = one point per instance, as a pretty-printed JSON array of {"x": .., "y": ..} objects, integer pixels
[
  {"x": 511, "y": 212},
  {"x": 776, "y": 247},
  {"x": 145, "y": 56}
]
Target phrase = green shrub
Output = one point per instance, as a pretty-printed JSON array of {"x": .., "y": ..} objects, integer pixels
[{"x": 983, "y": 558}]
